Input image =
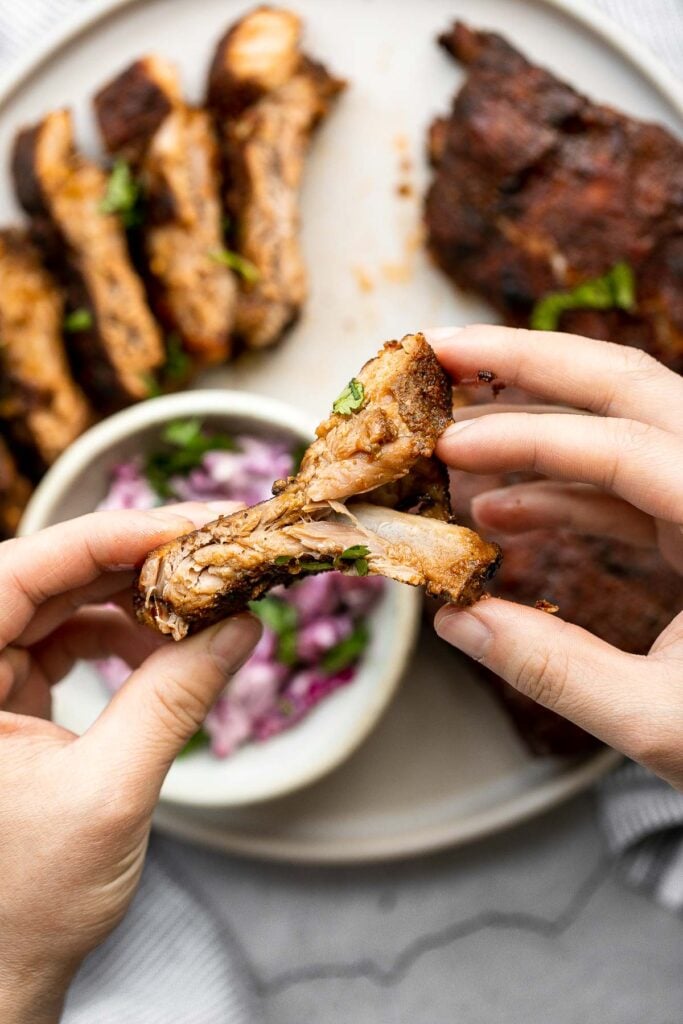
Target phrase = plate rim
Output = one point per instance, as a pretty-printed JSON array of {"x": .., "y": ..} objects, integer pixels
[
  {"x": 498, "y": 818},
  {"x": 541, "y": 798},
  {"x": 83, "y": 20}
]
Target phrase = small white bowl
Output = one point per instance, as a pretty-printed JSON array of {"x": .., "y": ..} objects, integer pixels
[{"x": 333, "y": 729}]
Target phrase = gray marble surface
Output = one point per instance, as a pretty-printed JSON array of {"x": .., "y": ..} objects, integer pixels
[{"x": 534, "y": 925}]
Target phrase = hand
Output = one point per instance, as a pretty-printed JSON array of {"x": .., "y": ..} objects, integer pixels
[
  {"x": 75, "y": 811},
  {"x": 619, "y": 473}
]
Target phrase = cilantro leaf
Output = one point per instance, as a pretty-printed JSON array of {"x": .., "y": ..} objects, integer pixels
[
  {"x": 281, "y": 617},
  {"x": 123, "y": 195},
  {"x": 186, "y": 443},
  {"x": 351, "y": 398},
  {"x": 80, "y": 319},
  {"x": 197, "y": 742},
  {"x": 354, "y": 552},
  {"x": 347, "y": 651},
  {"x": 614, "y": 290},
  {"x": 240, "y": 264},
  {"x": 178, "y": 362},
  {"x": 298, "y": 456}
]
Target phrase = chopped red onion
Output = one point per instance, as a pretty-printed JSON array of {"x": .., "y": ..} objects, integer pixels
[{"x": 266, "y": 696}]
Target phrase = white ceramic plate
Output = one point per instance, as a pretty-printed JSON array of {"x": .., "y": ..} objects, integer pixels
[
  {"x": 444, "y": 766},
  {"x": 77, "y": 483}
]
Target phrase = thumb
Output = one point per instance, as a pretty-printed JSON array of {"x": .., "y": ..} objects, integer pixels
[
  {"x": 164, "y": 702},
  {"x": 557, "y": 664}
]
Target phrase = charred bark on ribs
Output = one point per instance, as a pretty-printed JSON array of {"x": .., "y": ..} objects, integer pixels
[
  {"x": 537, "y": 189},
  {"x": 43, "y": 408},
  {"x": 116, "y": 355},
  {"x": 312, "y": 521},
  {"x": 267, "y": 98},
  {"x": 144, "y": 120}
]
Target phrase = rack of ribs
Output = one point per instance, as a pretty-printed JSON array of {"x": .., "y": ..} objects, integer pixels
[
  {"x": 315, "y": 521},
  {"x": 119, "y": 350},
  {"x": 43, "y": 407},
  {"x": 537, "y": 189},
  {"x": 267, "y": 97},
  {"x": 171, "y": 146}
]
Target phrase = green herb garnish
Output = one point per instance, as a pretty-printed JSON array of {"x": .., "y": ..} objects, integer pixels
[
  {"x": 197, "y": 742},
  {"x": 313, "y": 566},
  {"x": 283, "y": 559},
  {"x": 240, "y": 264},
  {"x": 298, "y": 456},
  {"x": 152, "y": 385},
  {"x": 351, "y": 398},
  {"x": 123, "y": 195},
  {"x": 352, "y": 553},
  {"x": 80, "y": 319},
  {"x": 347, "y": 651},
  {"x": 362, "y": 567},
  {"x": 178, "y": 362},
  {"x": 282, "y": 619},
  {"x": 614, "y": 290},
  {"x": 186, "y": 445}
]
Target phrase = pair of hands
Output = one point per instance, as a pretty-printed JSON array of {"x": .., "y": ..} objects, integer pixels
[{"x": 76, "y": 812}]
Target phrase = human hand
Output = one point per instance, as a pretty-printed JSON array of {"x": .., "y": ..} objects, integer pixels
[
  {"x": 75, "y": 811},
  {"x": 618, "y": 473}
]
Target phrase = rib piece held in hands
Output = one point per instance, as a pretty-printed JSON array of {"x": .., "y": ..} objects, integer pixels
[
  {"x": 117, "y": 346},
  {"x": 172, "y": 150},
  {"x": 267, "y": 98},
  {"x": 41, "y": 404},
  {"x": 401, "y": 407}
]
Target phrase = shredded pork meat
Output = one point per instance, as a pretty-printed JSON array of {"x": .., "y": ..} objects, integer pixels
[{"x": 215, "y": 571}]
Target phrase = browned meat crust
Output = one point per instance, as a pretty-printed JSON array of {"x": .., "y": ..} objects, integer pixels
[
  {"x": 215, "y": 571},
  {"x": 537, "y": 189},
  {"x": 42, "y": 406},
  {"x": 279, "y": 97},
  {"x": 15, "y": 490},
  {"x": 87, "y": 250},
  {"x": 256, "y": 56},
  {"x": 144, "y": 120},
  {"x": 624, "y": 595}
]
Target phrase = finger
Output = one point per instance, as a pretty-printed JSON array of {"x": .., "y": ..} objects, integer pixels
[
  {"x": 163, "y": 704},
  {"x": 639, "y": 463},
  {"x": 91, "y": 634},
  {"x": 546, "y": 504},
  {"x": 609, "y": 379},
  {"x": 70, "y": 558},
  {"x": 624, "y": 700}
]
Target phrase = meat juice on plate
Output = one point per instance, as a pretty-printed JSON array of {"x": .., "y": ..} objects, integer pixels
[{"x": 314, "y": 632}]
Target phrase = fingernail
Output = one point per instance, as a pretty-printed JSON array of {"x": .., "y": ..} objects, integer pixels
[
  {"x": 464, "y": 630},
  {"x": 435, "y": 335},
  {"x": 235, "y": 639},
  {"x": 224, "y": 508},
  {"x": 456, "y": 427}
]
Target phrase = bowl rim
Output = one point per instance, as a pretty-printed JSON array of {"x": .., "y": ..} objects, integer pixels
[{"x": 264, "y": 411}]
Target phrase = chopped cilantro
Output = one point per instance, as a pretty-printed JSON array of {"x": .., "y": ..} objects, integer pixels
[
  {"x": 240, "y": 264},
  {"x": 281, "y": 617},
  {"x": 186, "y": 444},
  {"x": 357, "y": 551},
  {"x": 178, "y": 362},
  {"x": 283, "y": 560},
  {"x": 152, "y": 384},
  {"x": 298, "y": 456},
  {"x": 197, "y": 742},
  {"x": 614, "y": 290},
  {"x": 348, "y": 650},
  {"x": 313, "y": 566},
  {"x": 80, "y": 319},
  {"x": 362, "y": 567},
  {"x": 123, "y": 195},
  {"x": 351, "y": 398}
]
